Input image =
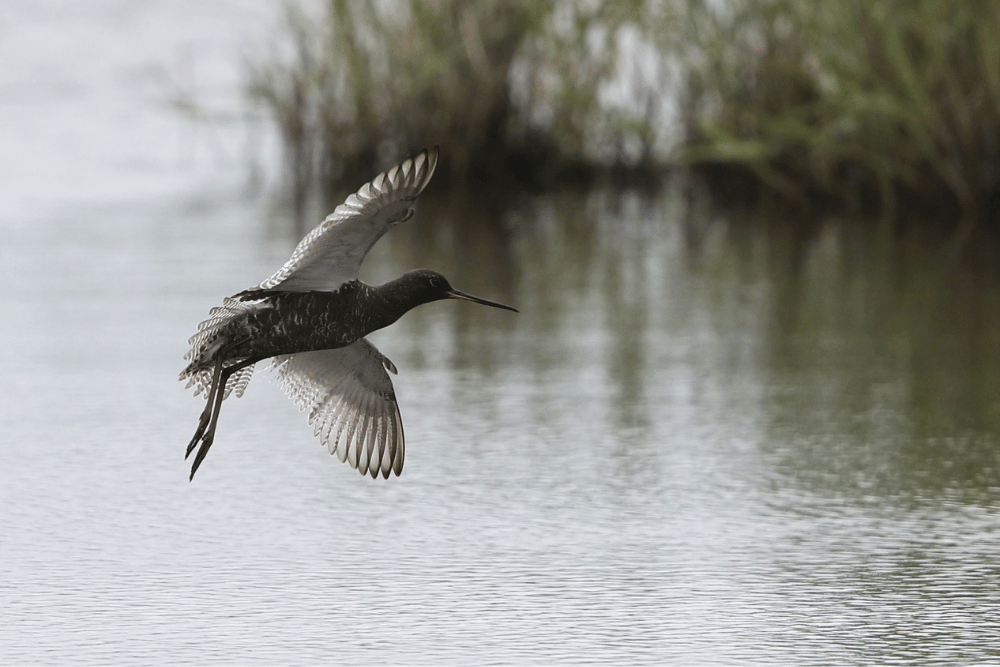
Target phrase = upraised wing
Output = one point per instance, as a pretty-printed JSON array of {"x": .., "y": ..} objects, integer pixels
[
  {"x": 331, "y": 254},
  {"x": 352, "y": 407}
]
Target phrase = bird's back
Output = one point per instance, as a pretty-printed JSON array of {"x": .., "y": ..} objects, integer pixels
[{"x": 260, "y": 325}]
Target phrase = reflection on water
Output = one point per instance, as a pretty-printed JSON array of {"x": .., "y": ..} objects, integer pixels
[
  {"x": 820, "y": 408},
  {"x": 702, "y": 440}
]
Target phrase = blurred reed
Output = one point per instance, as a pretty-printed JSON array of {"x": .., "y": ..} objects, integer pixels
[
  {"x": 860, "y": 105},
  {"x": 510, "y": 87},
  {"x": 856, "y": 104}
]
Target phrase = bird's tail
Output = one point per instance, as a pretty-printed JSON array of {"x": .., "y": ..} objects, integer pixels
[{"x": 206, "y": 344}]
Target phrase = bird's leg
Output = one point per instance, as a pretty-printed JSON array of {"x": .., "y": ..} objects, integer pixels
[
  {"x": 220, "y": 392},
  {"x": 207, "y": 437},
  {"x": 206, "y": 414}
]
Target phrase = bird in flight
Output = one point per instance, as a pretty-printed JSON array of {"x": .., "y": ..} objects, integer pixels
[{"x": 310, "y": 318}]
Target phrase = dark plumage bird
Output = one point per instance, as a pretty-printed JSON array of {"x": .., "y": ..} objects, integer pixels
[{"x": 311, "y": 317}]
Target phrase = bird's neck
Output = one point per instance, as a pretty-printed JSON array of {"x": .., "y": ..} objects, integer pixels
[{"x": 394, "y": 299}]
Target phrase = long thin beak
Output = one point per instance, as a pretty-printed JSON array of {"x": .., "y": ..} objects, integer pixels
[{"x": 456, "y": 294}]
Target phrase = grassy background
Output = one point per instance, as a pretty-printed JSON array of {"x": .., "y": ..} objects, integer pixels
[
  {"x": 865, "y": 104},
  {"x": 875, "y": 106}
]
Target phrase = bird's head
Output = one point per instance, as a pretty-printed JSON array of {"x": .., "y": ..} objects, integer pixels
[{"x": 424, "y": 286}]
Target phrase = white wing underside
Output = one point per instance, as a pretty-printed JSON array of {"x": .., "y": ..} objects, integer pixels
[
  {"x": 332, "y": 253},
  {"x": 352, "y": 407}
]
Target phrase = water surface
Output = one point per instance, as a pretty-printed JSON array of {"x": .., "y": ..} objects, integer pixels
[{"x": 705, "y": 439}]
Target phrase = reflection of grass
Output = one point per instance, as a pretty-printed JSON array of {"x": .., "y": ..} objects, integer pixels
[
  {"x": 861, "y": 365},
  {"x": 882, "y": 362},
  {"x": 853, "y": 101}
]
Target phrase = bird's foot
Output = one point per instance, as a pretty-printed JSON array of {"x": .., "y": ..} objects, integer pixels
[
  {"x": 202, "y": 425},
  {"x": 206, "y": 443}
]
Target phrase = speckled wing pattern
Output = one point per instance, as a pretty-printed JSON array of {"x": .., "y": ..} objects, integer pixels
[
  {"x": 332, "y": 253},
  {"x": 201, "y": 346},
  {"x": 352, "y": 407}
]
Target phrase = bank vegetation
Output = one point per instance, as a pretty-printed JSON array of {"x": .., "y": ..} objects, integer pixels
[{"x": 886, "y": 107}]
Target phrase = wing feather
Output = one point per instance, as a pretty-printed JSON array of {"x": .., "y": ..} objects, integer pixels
[
  {"x": 332, "y": 253},
  {"x": 361, "y": 437},
  {"x": 352, "y": 406},
  {"x": 397, "y": 460},
  {"x": 395, "y": 440},
  {"x": 351, "y": 439},
  {"x": 206, "y": 342},
  {"x": 381, "y": 440},
  {"x": 370, "y": 435}
]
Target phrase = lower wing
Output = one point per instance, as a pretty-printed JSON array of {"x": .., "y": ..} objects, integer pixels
[{"x": 352, "y": 406}]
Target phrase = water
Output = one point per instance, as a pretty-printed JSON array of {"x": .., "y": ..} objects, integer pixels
[{"x": 703, "y": 440}]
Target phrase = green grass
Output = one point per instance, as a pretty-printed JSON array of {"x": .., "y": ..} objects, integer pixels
[
  {"x": 853, "y": 102},
  {"x": 878, "y": 106},
  {"x": 365, "y": 86}
]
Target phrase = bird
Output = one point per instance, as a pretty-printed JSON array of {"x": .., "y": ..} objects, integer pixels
[{"x": 310, "y": 319}]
